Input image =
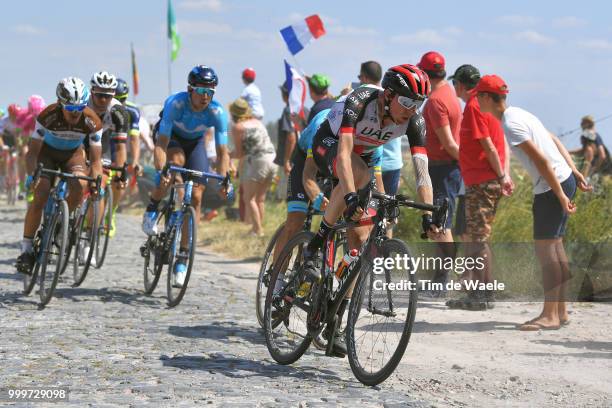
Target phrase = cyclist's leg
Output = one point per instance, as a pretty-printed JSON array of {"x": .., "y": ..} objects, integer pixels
[
  {"x": 118, "y": 157},
  {"x": 75, "y": 163}
]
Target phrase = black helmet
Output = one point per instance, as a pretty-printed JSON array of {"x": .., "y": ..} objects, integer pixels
[
  {"x": 122, "y": 90},
  {"x": 202, "y": 75}
]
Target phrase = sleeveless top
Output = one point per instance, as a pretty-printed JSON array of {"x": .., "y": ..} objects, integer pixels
[{"x": 256, "y": 141}]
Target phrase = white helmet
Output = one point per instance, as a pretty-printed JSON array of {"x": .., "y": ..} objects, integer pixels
[
  {"x": 104, "y": 80},
  {"x": 72, "y": 91}
]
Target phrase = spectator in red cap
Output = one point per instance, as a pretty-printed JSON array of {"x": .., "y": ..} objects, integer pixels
[
  {"x": 486, "y": 173},
  {"x": 442, "y": 114},
  {"x": 555, "y": 179},
  {"x": 251, "y": 93}
]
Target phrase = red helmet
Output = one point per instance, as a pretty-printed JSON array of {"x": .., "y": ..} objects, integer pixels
[
  {"x": 14, "y": 110},
  {"x": 249, "y": 74},
  {"x": 407, "y": 80}
]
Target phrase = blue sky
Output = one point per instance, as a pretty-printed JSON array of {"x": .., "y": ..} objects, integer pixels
[{"x": 555, "y": 56}]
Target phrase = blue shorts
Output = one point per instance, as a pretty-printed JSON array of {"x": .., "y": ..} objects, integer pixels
[
  {"x": 446, "y": 181},
  {"x": 195, "y": 154},
  {"x": 391, "y": 179},
  {"x": 549, "y": 219}
]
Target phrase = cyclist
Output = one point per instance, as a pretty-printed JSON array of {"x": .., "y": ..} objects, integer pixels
[
  {"x": 116, "y": 122},
  {"x": 27, "y": 123},
  {"x": 180, "y": 140},
  {"x": 57, "y": 143},
  {"x": 10, "y": 133},
  {"x": 355, "y": 126}
]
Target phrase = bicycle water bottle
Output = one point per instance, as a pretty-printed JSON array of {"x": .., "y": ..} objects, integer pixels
[{"x": 347, "y": 259}]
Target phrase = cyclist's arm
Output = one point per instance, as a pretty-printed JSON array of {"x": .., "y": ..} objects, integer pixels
[
  {"x": 309, "y": 178},
  {"x": 223, "y": 157},
  {"x": 121, "y": 123},
  {"x": 380, "y": 186},
  {"x": 134, "y": 136},
  {"x": 163, "y": 134},
  {"x": 95, "y": 152},
  {"x": 416, "y": 139}
]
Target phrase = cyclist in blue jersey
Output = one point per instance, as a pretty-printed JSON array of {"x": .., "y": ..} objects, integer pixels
[{"x": 180, "y": 139}]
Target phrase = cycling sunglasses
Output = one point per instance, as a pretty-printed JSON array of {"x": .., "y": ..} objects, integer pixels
[
  {"x": 409, "y": 103},
  {"x": 103, "y": 95},
  {"x": 200, "y": 90},
  {"x": 74, "y": 108}
]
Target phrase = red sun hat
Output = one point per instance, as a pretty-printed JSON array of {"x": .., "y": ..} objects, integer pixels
[
  {"x": 432, "y": 61},
  {"x": 249, "y": 74},
  {"x": 491, "y": 83}
]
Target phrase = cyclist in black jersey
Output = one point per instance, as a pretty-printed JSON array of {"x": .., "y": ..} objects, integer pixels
[{"x": 366, "y": 119}]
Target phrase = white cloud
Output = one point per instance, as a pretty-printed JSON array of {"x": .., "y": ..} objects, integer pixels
[
  {"x": 453, "y": 30},
  {"x": 568, "y": 22},
  {"x": 202, "y": 28},
  {"x": 534, "y": 37},
  {"x": 210, "y": 5},
  {"x": 351, "y": 30},
  {"x": 518, "y": 20},
  {"x": 422, "y": 37},
  {"x": 596, "y": 44},
  {"x": 27, "y": 29}
]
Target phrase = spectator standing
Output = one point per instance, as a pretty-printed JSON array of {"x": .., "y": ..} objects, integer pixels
[
  {"x": 252, "y": 94},
  {"x": 318, "y": 88},
  {"x": 486, "y": 173},
  {"x": 256, "y": 154},
  {"x": 442, "y": 114},
  {"x": 287, "y": 135},
  {"x": 555, "y": 179}
]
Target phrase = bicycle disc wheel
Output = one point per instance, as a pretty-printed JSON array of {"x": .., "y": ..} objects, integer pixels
[
  {"x": 264, "y": 275},
  {"x": 188, "y": 226},
  {"x": 54, "y": 249},
  {"x": 86, "y": 235},
  {"x": 104, "y": 228},
  {"x": 380, "y": 320},
  {"x": 154, "y": 257},
  {"x": 286, "y": 311}
]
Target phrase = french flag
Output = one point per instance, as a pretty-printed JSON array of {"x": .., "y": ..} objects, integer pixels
[
  {"x": 297, "y": 36},
  {"x": 296, "y": 85}
]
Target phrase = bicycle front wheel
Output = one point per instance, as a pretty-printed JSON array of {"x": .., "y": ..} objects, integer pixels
[
  {"x": 85, "y": 241},
  {"x": 104, "y": 228},
  {"x": 381, "y": 316},
  {"x": 53, "y": 252},
  {"x": 182, "y": 250},
  {"x": 30, "y": 280},
  {"x": 264, "y": 276}
]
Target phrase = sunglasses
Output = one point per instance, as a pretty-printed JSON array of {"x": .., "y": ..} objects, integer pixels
[
  {"x": 103, "y": 95},
  {"x": 74, "y": 108},
  {"x": 409, "y": 103},
  {"x": 200, "y": 90}
]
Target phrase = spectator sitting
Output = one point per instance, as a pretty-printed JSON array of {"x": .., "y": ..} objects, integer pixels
[
  {"x": 252, "y": 94},
  {"x": 593, "y": 150},
  {"x": 256, "y": 154}
]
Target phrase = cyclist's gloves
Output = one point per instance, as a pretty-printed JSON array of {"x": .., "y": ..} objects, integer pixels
[
  {"x": 427, "y": 222},
  {"x": 352, "y": 203},
  {"x": 316, "y": 204}
]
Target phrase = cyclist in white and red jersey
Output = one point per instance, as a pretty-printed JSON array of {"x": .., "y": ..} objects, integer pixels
[{"x": 355, "y": 127}]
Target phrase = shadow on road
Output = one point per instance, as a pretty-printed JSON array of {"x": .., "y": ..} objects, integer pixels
[
  {"x": 589, "y": 354},
  {"x": 426, "y": 327},
  {"x": 128, "y": 297},
  {"x": 236, "y": 367},
  {"x": 589, "y": 345},
  {"x": 221, "y": 331}
]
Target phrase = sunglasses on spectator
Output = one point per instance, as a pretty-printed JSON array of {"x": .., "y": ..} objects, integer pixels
[
  {"x": 74, "y": 108},
  {"x": 409, "y": 103},
  {"x": 200, "y": 90}
]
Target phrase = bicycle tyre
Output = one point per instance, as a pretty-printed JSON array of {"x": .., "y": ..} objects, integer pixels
[
  {"x": 357, "y": 366},
  {"x": 89, "y": 237},
  {"x": 104, "y": 227},
  {"x": 29, "y": 281},
  {"x": 57, "y": 239},
  {"x": 264, "y": 273},
  {"x": 152, "y": 275},
  {"x": 298, "y": 241},
  {"x": 189, "y": 216}
]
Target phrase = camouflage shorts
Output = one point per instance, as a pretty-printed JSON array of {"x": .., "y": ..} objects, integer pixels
[{"x": 480, "y": 206}]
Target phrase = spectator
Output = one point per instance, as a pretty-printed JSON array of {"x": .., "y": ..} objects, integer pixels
[
  {"x": 442, "y": 114},
  {"x": 554, "y": 178},
  {"x": 594, "y": 152},
  {"x": 252, "y": 94},
  {"x": 318, "y": 86},
  {"x": 256, "y": 154},
  {"x": 486, "y": 173}
]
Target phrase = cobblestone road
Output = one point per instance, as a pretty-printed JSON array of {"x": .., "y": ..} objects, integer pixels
[{"x": 113, "y": 346}]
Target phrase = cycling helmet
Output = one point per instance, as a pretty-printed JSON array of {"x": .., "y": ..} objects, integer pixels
[
  {"x": 202, "y": 75},
  {"x": 36, "y": 104},
  {"x": 407, "y": 80},
  {"x": 14, "y": 110},
  {"x": 103, "y": 80},
  {"x": 122, "y": 90},
  {"x": 72, "y": 91}
]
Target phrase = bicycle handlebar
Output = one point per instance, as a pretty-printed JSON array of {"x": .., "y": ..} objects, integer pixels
[
  {"x": 40, "y": 170},
  {"x": 170, "y": 168}
]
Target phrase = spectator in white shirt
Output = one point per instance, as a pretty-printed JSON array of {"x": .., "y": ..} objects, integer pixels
[{"x": 251, "y": 93}]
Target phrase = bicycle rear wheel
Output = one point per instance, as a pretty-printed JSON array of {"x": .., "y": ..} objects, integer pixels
[
  {"x": 286, "y": 309},
  {"x": 380, "y": 320},
  {"x": 154, "y": 255},
  {"x": 264, "y": 276},
  {"x": 54, "y": 249},
  {"x": 85, "y": 237},
  {"x": 104, "y": 228},
  {"x": 188, "y": 226},
  {"x": 30, "y": 280}
]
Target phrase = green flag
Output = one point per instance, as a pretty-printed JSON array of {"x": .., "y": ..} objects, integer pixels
[{"x": 173, "y": 32}]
